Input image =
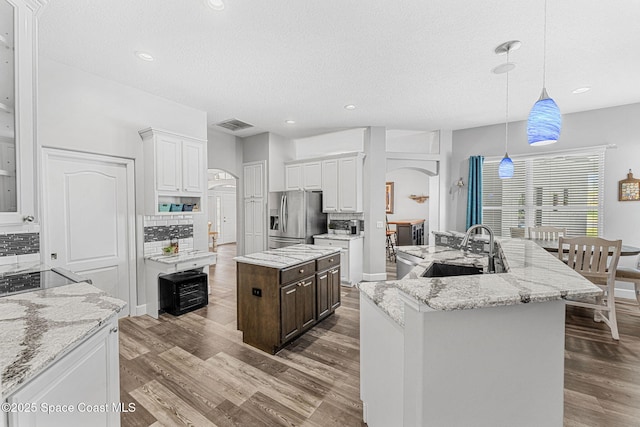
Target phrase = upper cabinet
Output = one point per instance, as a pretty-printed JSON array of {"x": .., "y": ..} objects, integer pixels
[
  {"x": 17, "y": 106},
  {"x": 342, "y": 184},
  {"x": 303, "y": 176},
  {"x": 175, "y": 172},
  {"x": 254, "y": 181}
]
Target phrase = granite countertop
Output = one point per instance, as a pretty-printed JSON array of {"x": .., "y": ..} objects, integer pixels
[
  {"x": 180, "y": 256},
  {"x": 406, "y": 221},
  {"x": 532, "y": 275},
  {"x": 39, "y": 327},
  {"x": 287, "y": 256},
  {"x": 339, "y": 236},
  {"x": 29, "y": 267}
]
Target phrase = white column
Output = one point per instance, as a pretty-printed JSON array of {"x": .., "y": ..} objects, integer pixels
[{"x": 374, "y": 207}]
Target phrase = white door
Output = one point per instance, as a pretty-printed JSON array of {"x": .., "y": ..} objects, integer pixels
[
  {"x": 88, "y": 219},
  {"x": 228, "y": 218}
]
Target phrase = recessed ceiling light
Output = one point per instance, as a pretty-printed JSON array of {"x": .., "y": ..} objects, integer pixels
[
  {"x": 215, "y": 4},
  {"x": 290, "y": 122},
  {"x": 582, "y": 89},
  {"x": 349, "y": 107},
  {"x": 144, "y": 56}
]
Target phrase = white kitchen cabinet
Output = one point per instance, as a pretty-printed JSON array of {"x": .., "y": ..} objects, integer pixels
[
  {"x": 293, "y": 177},
  {"x": 351, "y": 256},
  {"x": 312, "y": 176},
  {"x": 254, "y": 225},
  {"x": 175, "y": 170},
  {"x": 254, "y": 179},
  {"x": 18, "y": 71},
  {"x": 87, "y": 379},
  {"x": 303, "y": 176},
  {"x": 342, "y": 184}
]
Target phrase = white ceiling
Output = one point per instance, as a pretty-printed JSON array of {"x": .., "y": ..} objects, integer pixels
[{"x": 409, "y": 64}]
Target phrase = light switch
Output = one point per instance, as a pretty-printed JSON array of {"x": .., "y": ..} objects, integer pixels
[{"x": 379, "y": 224}]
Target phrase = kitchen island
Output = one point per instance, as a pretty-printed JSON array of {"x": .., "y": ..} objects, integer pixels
[
  {"x": 481, "y": 350},
  {"x": 284, "y": 292},
  {"x": 60, "y": 346}
]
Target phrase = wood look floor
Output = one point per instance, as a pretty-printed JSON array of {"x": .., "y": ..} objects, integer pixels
[{"x": 195, "y": 370}]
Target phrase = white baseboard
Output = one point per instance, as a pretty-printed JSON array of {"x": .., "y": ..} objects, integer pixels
[
  {"x": 375, "y": 277},
  {"x": 141, "y": 310}
]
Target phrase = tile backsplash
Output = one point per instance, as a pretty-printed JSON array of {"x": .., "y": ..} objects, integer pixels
[
  {"x": 159, "y": 230},
  {"x": 19, "y": 244},
  {"x": 340, "y": 223}
]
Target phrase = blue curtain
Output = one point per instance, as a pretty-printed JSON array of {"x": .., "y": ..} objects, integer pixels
[{"x": 474, "y": 191}]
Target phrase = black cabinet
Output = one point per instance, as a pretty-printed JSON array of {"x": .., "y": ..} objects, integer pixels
[{"x": 183, "y": 292}]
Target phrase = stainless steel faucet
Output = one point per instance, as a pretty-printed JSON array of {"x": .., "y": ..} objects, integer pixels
[{"x": 465, "y": 243}]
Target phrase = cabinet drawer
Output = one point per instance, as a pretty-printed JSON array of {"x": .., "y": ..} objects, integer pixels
[
  {"x": 297, "y": 272},
  {"x": 344, "y": 244},
  {"x": 328, "y": 261}
]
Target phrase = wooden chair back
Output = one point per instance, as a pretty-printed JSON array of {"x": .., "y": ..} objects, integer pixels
[
  {"x": 594, "y": 258},
  {"x": 517, "y": 232},
  {"x": 547, "y": 233}
]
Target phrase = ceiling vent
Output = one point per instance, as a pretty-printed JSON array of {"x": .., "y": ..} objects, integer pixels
[{"x": 234, "y": 125}]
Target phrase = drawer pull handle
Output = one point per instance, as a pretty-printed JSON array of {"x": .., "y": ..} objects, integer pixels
[
  {"x": 301, "y": 271},
  {"x": 331, "y": 260},
  {"x": 291, "y": 291},
  {"x": 306, "y": 284},
  {"x": 322, "y": 277}
]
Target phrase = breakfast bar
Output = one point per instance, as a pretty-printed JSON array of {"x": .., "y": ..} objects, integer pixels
[{"x": 479, "y": 349}]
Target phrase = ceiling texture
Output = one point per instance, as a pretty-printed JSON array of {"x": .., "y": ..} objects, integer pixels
[{"x": 409, "y": 64}]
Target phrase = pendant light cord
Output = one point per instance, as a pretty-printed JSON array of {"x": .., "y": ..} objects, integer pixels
[
  {"x": 506, "y": 121},
  {"x": 544, "y": 49}
]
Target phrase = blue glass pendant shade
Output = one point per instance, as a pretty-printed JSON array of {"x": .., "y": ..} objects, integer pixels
[
  {"x": 545, "y": 121},
  {"x": 505, "y": 169}
]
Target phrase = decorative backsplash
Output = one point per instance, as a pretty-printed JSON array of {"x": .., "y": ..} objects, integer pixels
[
  {"x": 341, "y": 222},
  {"x": 19, "y": 244},
  {"x": 453, "y": 239},
  {"x": 159, "y": 230}
]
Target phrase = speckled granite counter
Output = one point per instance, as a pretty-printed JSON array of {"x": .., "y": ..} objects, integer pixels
[
  {"x": 339, "y": 236},
  {"x": 37, "y": 328},
  {"x": 533, "y": 275},
  {"x": 287, "y": 256},
  {"x": 191, "y": 255}
]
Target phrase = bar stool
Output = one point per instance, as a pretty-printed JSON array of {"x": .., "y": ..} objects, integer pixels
[{"x": 391, "y": 243}]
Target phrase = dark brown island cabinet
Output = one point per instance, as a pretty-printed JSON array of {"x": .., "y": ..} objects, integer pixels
[
  {"x": 277, "y": 305},
  {"x": 410, "y": 232}
]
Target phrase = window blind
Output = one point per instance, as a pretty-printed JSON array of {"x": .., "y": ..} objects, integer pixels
[{"x": 559, "y": 190}]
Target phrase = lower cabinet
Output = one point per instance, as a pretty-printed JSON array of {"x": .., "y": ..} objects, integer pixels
[
  {"x": 81, "y": 389},
  {"x": 277, "y": 305},
  {"x": 297, "y": 307}
]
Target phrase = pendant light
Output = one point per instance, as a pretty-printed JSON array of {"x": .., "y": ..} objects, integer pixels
[
  {"x": 505, "y": 169},
  {"x": 545, "y": 121}
]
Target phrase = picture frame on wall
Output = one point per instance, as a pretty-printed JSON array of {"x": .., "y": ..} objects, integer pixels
[
  {"x": 389, "y": 197},
  {"x": 629, "y": 189}
]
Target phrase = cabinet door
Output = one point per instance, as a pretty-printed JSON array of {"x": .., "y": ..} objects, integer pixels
[
  {"x": 88, "y": 375},
  {"x": 307, "y": 303},
  {"x": 323, "y": 297},
  {"x": 193, "y": 172},
  {"x": 334, "y": 283},
  {"x": 168, "y": 164},
  {"x": 312, "y": 176},
  {"x": 330, "y": 186},
  {"x": 253, "y": 180},
  {"x": 348, "y": 187},
  {"x": 254, "y": 225},
  {"x": 293, "y": 177},
  {"x": 289, "y": 318},
  {"x": 248, "y": 180}
]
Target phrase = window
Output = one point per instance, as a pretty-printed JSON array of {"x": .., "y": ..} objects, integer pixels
[{"x": 559, "y": 190}]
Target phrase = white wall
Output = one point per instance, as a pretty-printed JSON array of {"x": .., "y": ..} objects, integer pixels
[
  {"x": 223, "y": 153},
  {"x": 404, "y": 141},
  {"x": 616, "y": 125},
  {"x": 83, "y": 112},
  {"x": 280, "y": 150},
  {"x": 407, "y": 182},
  {"x": 330, "y": 143}
]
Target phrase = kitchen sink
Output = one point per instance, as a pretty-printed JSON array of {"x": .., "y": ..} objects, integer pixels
[{"x": 446, "y": 270}]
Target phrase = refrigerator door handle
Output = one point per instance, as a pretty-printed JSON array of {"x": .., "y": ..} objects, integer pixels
[
  {"x": 280, "y": 226},
  {"x": 285, "y": 214}
]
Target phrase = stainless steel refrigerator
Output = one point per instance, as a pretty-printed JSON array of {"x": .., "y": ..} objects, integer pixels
[{"x": 295, "y": 217}]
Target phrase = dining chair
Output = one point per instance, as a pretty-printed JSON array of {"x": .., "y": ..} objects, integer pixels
[
  {"x": 517, "y": 232},
  {"x": 630, "y": 275},
  {"x": 547, "y": 233},
  {"x": 595, "y": 259},
  {"x": 391, "y": 242}
]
